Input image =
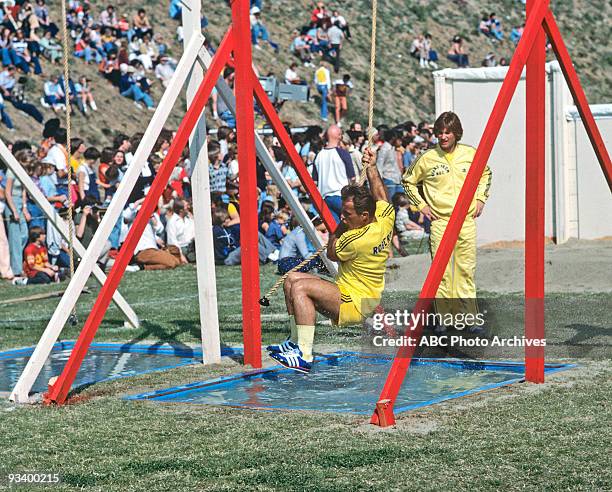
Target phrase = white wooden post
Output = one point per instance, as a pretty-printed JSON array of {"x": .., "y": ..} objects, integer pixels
[
  {"x": 200, "y": 188},
  {"x": 41, "y": 353},
  {"x": 59, "y": 223},
  {"x": 268, "y": 162}
]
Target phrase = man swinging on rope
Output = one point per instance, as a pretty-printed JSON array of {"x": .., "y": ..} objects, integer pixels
[{"x": 361, "y": 246}]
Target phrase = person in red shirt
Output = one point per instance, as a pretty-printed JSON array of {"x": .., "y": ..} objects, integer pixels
[{"x": 36, "y": 265}]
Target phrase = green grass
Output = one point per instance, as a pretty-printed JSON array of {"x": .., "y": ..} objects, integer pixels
[{"x": 554, "y": 436}]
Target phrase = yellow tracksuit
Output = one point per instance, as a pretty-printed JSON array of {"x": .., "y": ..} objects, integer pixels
[{"x": 440, "y": 176}]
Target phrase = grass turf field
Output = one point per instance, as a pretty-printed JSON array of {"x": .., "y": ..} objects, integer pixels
[{"x": 553, "y": 436}]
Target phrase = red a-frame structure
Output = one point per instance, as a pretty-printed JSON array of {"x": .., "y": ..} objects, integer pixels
[
  {"x": 237, "y": 40},
  {"x": 530, "y": 52}
]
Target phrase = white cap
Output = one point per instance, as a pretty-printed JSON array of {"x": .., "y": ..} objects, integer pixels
[{"x": 255, "y": 10}]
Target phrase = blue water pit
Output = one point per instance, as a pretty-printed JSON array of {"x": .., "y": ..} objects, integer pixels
[
  {"x": 104, "y": 362},
  {"x": 347, "y": 382}
]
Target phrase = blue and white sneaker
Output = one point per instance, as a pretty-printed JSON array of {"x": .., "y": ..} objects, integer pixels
[
  {"x": 292, "y": 360},
  {"x": 286, "y": 346}
]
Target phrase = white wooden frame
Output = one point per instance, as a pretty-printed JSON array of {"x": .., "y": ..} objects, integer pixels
[
  {"x": 200, "y": 188},
  {"x": 41, "y": 353},
  {"x": 52, "y": 216}
]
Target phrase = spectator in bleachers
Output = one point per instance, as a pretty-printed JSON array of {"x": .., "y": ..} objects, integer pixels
[
  {"x": 322, "y": 80},
  {"x": 36, "y": 264},
  {"x": 16, "y": 211},
  {"x": 129, "y": 88},
  {"x": 489, "y": 60},
  {"x": 53, "y": 94},
  {"x": 223, "y": 112},
  {"x": 180, "y": 231},
  {"x": 406, "y": 228},
  {"x": 165, "y": 69},
  {"x": 141, "y": 24},
  {"x": 333, "y": 170},
  {"x": 342, "y": 89},
  {"x": 50, "y": 48},
  {"x": 108, "y": 17},
  {"x": 84, "y": 95},
  {"x": 342, "y": 23},
  {"x": 300, "y": 46},
  {"x": 14, "y": 92},
  {"x": 410, "y": 151},
  {"x": 217, "y": 169},
  {"x": 495, "y": 27},
  {"x": 259, "y": 30},
  {"x": 516, "y": 33},
  {"x": 83, "y": 49},
  {"x": 335, "y": 36},
  {"x": 292, "y": 77},
  {"x": 386, "y": 162},
  {"x": 86, "y": 175},
  {"x": 6, "y": 119},
  {"x": 484, "y": 27},
  {"x": 58, "y": 156},
  {"x": 277, "y": 229},
  {"x": 320, "y": 13},
  {"x": 5, "y": 256},
  {"x": 175, "y": 9},
  {"x": 26, "y": 54},
  {"x": 457, "y": 53},
  {"x": 42, "y": 14}
]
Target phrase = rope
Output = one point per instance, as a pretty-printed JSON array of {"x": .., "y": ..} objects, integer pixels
[
  {"x": 265, "y": 301},
  {"x": 73, "y": 318},
  {"x": 372, "y": 78}
]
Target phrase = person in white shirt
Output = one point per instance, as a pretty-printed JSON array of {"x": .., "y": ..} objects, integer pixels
[
  {"x": 343, "y": 24},
  {"x": 292, "y": 77},
  {"x": 336, "y": 35},
  {"x": 148, "y": 252},
  {"x": 165, "y": 69},
  {"x": 180, "y": 231},
  {"x": 322, "y": 80},
  {"x": 58, "y": 156},
  {"x": 333, "y": 170},
  {"x": 54, "y": 95}
]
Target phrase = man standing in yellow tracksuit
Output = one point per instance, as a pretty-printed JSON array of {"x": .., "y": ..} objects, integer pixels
[{"x": 440, "y": 172}]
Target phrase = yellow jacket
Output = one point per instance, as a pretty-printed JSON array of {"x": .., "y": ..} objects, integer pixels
[{"x": 441, "y": 176}]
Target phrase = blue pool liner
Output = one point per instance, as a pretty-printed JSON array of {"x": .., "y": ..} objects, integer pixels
[
  {"x": 185, "y": 355},
  {"x": 225, "y": 381}
]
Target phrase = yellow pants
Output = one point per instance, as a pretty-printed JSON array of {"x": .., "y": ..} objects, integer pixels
[{"x": 458, "y": 280}]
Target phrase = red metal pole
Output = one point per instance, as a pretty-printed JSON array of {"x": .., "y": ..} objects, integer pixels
[
  {"x": 61, "y": 387},
  {"x": 285, "y": 140},
  {"x": 535, "y": 190},
  {"x": 403, "y": 357},
  {"x": 571, "y": 77},
  {"x": 245, "y": 127}
]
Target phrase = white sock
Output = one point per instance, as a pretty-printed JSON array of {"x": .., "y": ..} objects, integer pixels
[{"x": 306, "y": 340}]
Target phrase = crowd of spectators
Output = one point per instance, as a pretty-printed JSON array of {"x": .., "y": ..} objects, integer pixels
[
  {"x": 32, "y": 251},
  {"x": 124, "y": 46},
  {"x": 127, "y": 52}
]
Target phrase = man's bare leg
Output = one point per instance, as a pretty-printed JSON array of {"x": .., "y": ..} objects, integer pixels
[
  {"x": 308, "y": 296},
  {"x": 291, "y": 279},
  {"x": 312, "y": 295}
]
